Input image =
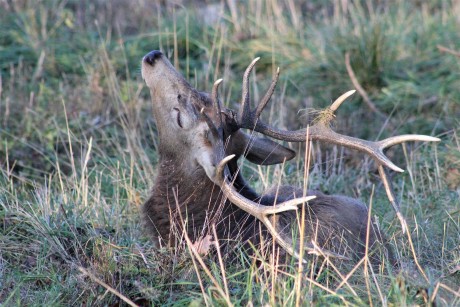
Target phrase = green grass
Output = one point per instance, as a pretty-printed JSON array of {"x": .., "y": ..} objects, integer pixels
[{"x": 78, "y": 145}]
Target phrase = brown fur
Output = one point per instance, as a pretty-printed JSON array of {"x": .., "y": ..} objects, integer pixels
[
  {"x": 200, "y": 201},
  {"x": 184, "y": 194},
  {"x": 336, "y": 223}
]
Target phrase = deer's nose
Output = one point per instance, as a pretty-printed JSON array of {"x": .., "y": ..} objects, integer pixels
[{"x": 150, "y": 57}]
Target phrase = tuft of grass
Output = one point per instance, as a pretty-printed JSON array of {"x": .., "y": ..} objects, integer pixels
[{"x": 78, "y": 145}]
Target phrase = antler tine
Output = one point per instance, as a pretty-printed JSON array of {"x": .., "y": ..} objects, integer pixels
[
  {"x": 336, "y": 104},
  {"x": 394, "y": 140},
  {"x": 215, "y": 99},
  {"x": 262, "y": 212},
  {"x": 268, "y": 95},
  {"x": 245, "y": 97}
]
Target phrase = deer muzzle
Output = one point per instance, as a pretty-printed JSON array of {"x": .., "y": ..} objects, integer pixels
[{"x": 151, "y": 57}]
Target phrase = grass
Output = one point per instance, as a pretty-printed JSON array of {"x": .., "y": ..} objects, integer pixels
[{"x": 78, "y": 147}]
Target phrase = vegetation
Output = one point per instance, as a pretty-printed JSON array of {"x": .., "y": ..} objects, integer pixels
[{"x": 78, "y": 146}]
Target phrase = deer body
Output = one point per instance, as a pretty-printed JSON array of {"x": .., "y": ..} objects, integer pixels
[
  {"x": 330, "y": 218},
  {"x": 335, "y": 222},
  {"x": 199, "y": 184}
]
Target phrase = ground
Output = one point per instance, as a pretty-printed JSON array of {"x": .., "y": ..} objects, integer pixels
[{"x": 79, "y": 149}]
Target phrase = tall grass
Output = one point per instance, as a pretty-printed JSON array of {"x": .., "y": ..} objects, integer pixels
[{"x": 79, "y": 148}]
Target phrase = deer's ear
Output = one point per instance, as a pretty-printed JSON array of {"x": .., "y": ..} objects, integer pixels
[{"x": 260, "y": 151}]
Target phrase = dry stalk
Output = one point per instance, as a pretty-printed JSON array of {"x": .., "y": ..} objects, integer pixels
[
  {"x": 448, "y": 50},
  {"x": 195, "y": 255},
  {"x": 366, "y": 253},
  {"x": 360, "y": 89},
  {"x": 106, "y": 286}
]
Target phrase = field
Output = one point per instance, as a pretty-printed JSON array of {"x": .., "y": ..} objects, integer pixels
[{"x": 78, "y": 145}]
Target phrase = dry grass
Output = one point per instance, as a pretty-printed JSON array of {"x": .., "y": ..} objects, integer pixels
[{"x": 78, "y": 146}]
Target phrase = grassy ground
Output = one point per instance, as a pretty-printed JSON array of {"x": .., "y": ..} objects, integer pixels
[{"x": 78, "y": 147}]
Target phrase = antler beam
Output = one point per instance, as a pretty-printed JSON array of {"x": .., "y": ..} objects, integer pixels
[
  {"x": 263, "y": 213},
  {"x": 320, "y": 131},
  {"x": 259, "y": 211}
]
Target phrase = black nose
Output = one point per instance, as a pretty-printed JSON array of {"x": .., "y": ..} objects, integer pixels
[{"x": 152, "y": 56}]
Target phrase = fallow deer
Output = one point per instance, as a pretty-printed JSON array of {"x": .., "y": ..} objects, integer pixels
[{"x": 198, "y": 176}]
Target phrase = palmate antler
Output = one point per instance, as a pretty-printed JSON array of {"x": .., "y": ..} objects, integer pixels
[{"x": 322, "y": 131}]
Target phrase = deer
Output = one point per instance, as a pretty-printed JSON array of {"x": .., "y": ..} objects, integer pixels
[{"x": 198, "y": 176}]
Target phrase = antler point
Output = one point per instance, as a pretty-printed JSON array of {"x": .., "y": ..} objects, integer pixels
[
  {"x": 336, "y": 104},
  {"x": 228, "y": 158}
]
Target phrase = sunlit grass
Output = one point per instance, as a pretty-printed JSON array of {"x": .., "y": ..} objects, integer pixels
[{"x": 78, "y": 146}]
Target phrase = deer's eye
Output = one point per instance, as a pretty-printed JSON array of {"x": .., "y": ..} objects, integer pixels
[{"x": 179, "y": 122}]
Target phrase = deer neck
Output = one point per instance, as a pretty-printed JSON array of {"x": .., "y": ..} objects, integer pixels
[
  {"x": 181, "y": 185},
  {"x": 190, "y": 197},
  {"x": 179, "y": 197}
]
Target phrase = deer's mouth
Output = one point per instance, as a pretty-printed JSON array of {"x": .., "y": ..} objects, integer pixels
[
  {"x": 151, "y": 57},
  {"x": 150, "y": 68},
  {"x": 161, "y": 76}
]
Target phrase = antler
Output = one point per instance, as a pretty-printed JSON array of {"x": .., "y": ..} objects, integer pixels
[
  {"x": 257, "y": 210},
  {"x": 263, "y": 213},
  {"x": 321, "y": 130}
]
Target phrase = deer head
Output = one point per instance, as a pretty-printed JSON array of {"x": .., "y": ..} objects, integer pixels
[
  {"x": 190, "y": 148},
  {"x": 183, "y": 115},
  {"x": 201, "y": 139}
]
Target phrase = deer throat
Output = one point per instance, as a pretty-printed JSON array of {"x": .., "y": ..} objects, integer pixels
[{"x": 181, "y": 201}]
